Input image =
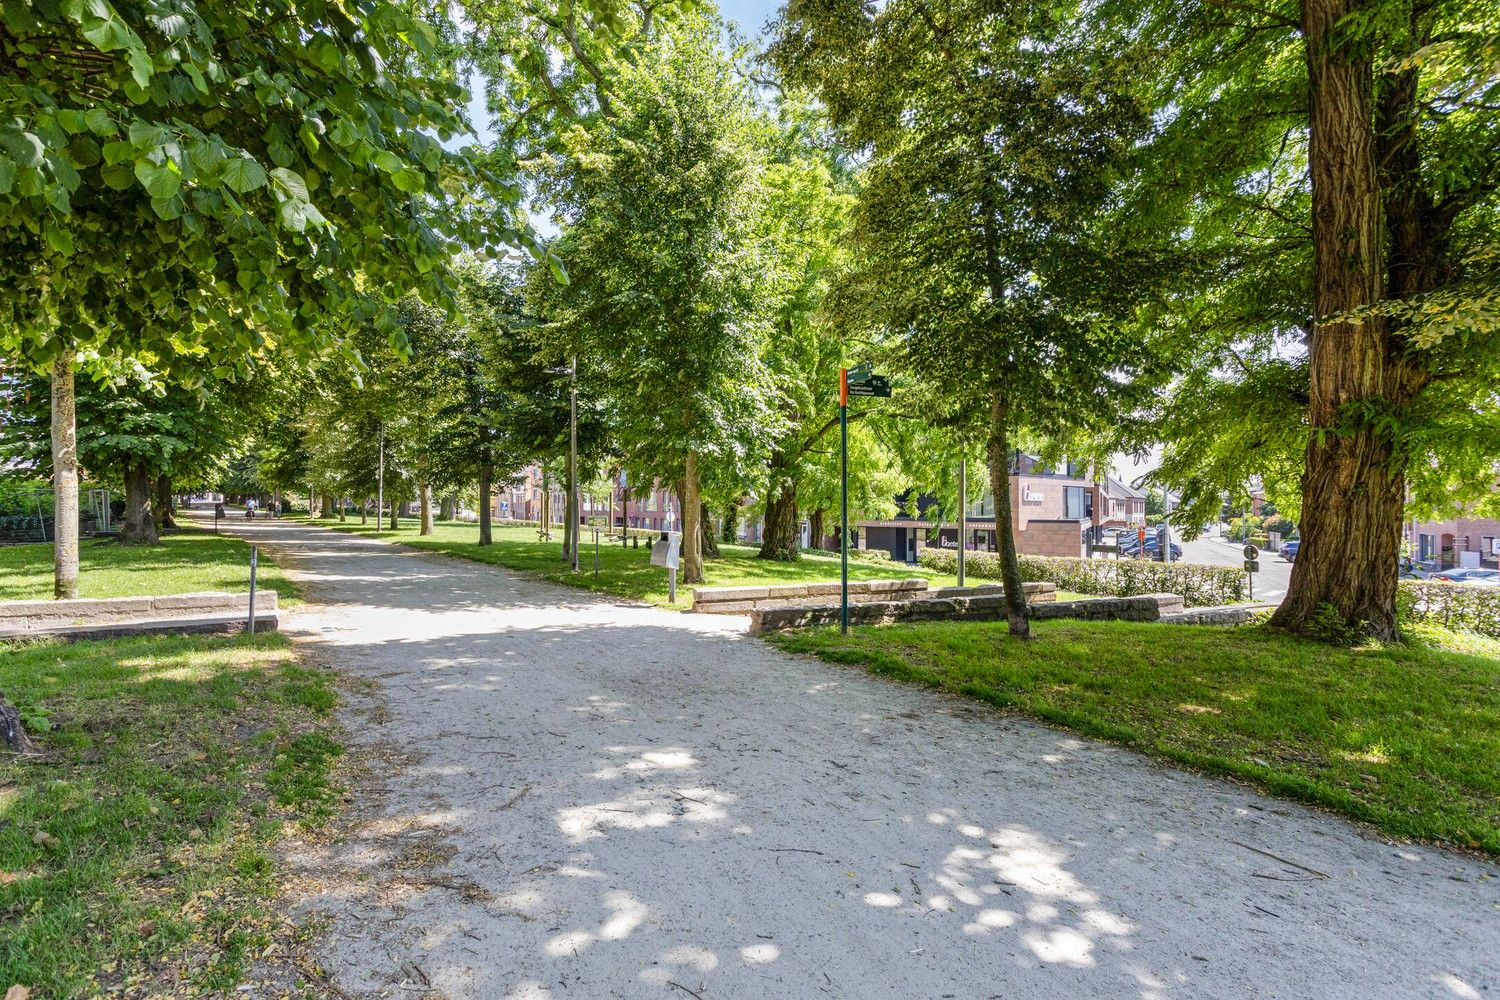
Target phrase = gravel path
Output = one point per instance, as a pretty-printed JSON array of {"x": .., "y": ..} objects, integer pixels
[{"x": 615, "y": 801}]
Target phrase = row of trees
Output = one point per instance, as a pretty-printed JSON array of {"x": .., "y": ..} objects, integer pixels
[{"x": 1264, "y": 235}]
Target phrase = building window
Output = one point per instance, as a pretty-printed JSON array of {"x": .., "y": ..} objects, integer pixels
[{"x": 1078, "y": 503}]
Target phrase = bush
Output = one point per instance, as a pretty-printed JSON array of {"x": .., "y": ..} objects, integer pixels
[
  {"x": 1458, "y": 607},
  {"x": 873, "y": 555},
  {"x": 1199, "y": 585}
]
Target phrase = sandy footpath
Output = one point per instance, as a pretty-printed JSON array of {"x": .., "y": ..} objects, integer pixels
[{"x": 599, "y": 800}]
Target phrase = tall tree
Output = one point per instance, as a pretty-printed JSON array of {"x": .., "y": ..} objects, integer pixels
[
  {"x": 982, "y": 258},
  {"x": 173, "y": 184},
  {"x": 659, "y": 203},
  {"x": 1332, "y": 168}
]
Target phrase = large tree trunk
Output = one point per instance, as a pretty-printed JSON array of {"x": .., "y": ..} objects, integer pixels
[
  {"x": 1016, "y": 610},
  {"x": 424, "y": 499},
  {"x": 1353, "y": 483},
  {"x": 64, "y": 479},
  {"x": 710, "y": 541},
  {"x": 163, "y": 510},
  {"x": 326, "y": 512},
  {"x": 779, "y": 538},
  {"x": 816, "y": 528},
  {"x": 729, "y": 524},
  {"x": 12, "y": 733},
  {"x": 139, "y": 526},
  {"x": 344, "y": 509},
  {"x": 486, "y": 479},
  {"x": 395, "y": 514},
  {"x": 692, "y": 516},
  {"x": 448, "y": 507},
  {"x": 364, "y": 511}
]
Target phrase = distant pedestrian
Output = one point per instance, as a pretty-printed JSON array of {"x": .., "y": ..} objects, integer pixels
[{"x": 250, "y": 507}]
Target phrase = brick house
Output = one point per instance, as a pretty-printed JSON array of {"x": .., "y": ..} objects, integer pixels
[
  {"x": 520, "y": 499},
  {"x": 1445, "y": 543},
  {"x": 1051, "y": 509}
]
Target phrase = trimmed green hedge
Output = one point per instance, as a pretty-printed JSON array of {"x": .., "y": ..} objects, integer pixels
[
  {"x": 1199, "y": 585},
  {"x": 1463, "y": 607}
]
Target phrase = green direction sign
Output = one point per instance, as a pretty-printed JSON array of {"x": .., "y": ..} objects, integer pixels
[
  {"x": 873, "y": 385},
  {"x": 859, "y": 373}
]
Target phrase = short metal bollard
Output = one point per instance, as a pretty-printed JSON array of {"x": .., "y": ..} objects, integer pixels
[{"x": 254, "y": 552}]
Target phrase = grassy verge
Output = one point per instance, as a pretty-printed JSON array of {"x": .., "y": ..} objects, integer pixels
[
  {"x": 1405, "y": 737},
  {"x": 628, "y": 571},
  {"x": 187, "y": 560},
  {"x": 135, "y": 855}
]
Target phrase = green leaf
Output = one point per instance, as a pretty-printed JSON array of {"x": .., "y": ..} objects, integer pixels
[
  {"x": 409, "y": 181},
  {"x": 559, "y": 273},
  {"x": 161, "y": 180},
  {"x": 71, "y": 120},
  {"x": 99, "y": 122},
  {"x": 387, "y": 161},
  {"x": 243, "y": 174},
  {"x": 7, "y": 174},
  {"x": 26, "y": 149},
  {"x": 290, "y": 183}
]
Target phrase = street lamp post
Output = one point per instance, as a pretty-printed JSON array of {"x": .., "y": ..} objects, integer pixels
[
  {"x": 963, "y": 513},
  {"x": 574, "y": 511}
]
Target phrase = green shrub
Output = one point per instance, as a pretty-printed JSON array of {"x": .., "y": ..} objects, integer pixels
[
  {"x": 1458, "y": 607},
  {"x": 1199, "y": 585}
]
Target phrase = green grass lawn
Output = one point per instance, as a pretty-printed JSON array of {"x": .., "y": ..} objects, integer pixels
[
  {"x": 628, "y": 571},
  {"x": 186, "y": 560},
  {"x": 1406, "y": 737},
  {"x": 135, "y": 856}
]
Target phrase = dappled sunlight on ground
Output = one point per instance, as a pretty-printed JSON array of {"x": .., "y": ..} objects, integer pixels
[{"x": 571, "y": 798}]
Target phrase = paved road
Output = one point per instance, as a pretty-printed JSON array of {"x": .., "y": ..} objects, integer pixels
[
  {"x": 592, "y": 800},
  {"x": 1270, "y": 583}
]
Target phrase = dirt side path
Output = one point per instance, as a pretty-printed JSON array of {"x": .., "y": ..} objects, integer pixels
[{"x": 597, "y": 800}]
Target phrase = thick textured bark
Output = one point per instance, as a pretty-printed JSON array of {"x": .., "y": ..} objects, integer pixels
[
  {"x": 692, "y": 516},
  {"x": 729, "y": 524},
  {"x": 779, "y": 538},
  {"x": 163, "y": 510},
  {"x": 64, "y": 479},
  {"x": 343, "y": 509},
  {"x": 1353, "y": 484},
  {"x": 448, "y": 507},
  {"x": 139, "y": 526},
  {"x": 12, "y": 733},
  {"x": 486, "y": 479},
  {"x": 395, "y": 514},
  {"x": 424, "y": 496},
  {"x": 326, "y": 511},
  {"x": 710, "y": 540},
  {"x": 1016, "y": 610},
  {"x": 817, "y": 529}
]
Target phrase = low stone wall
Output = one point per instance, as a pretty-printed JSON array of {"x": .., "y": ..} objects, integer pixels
[
  {"x": 1227, "y": 614},
  {"x": 739, "y": 600},
  {"x": 987, "y": 607},
  {"x": 27, "y": 616}
]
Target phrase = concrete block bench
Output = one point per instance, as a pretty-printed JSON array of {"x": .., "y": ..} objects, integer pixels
[
  {"x": 740, "y": 600},
  {"x": 97, "y": 616}
]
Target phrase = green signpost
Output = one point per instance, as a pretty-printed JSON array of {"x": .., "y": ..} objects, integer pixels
[{"x": 858, "y": 381}]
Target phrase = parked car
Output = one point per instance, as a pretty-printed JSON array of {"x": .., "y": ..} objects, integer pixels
[
  {"x": 1130, "y": 547},
  {"x": 1413, "y": 572},
  {"x": 1486, "y": 577},
  {"x": 1289, "y": 549}
]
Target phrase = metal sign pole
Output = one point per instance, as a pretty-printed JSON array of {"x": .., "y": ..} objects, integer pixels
[
  {"x": 844, "y": 500},
  {"x": 254, "y": 552}
]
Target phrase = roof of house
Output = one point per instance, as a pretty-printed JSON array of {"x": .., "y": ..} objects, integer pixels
[{"x": 1116, "y": 488}]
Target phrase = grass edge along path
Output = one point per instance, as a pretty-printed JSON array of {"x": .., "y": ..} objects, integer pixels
[
  {"x": 624, "y": 572},
  {"x": 187, "y": 560},
  {"x": 1404, "y": 737},
  {"x": 137, "y": 854}
]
